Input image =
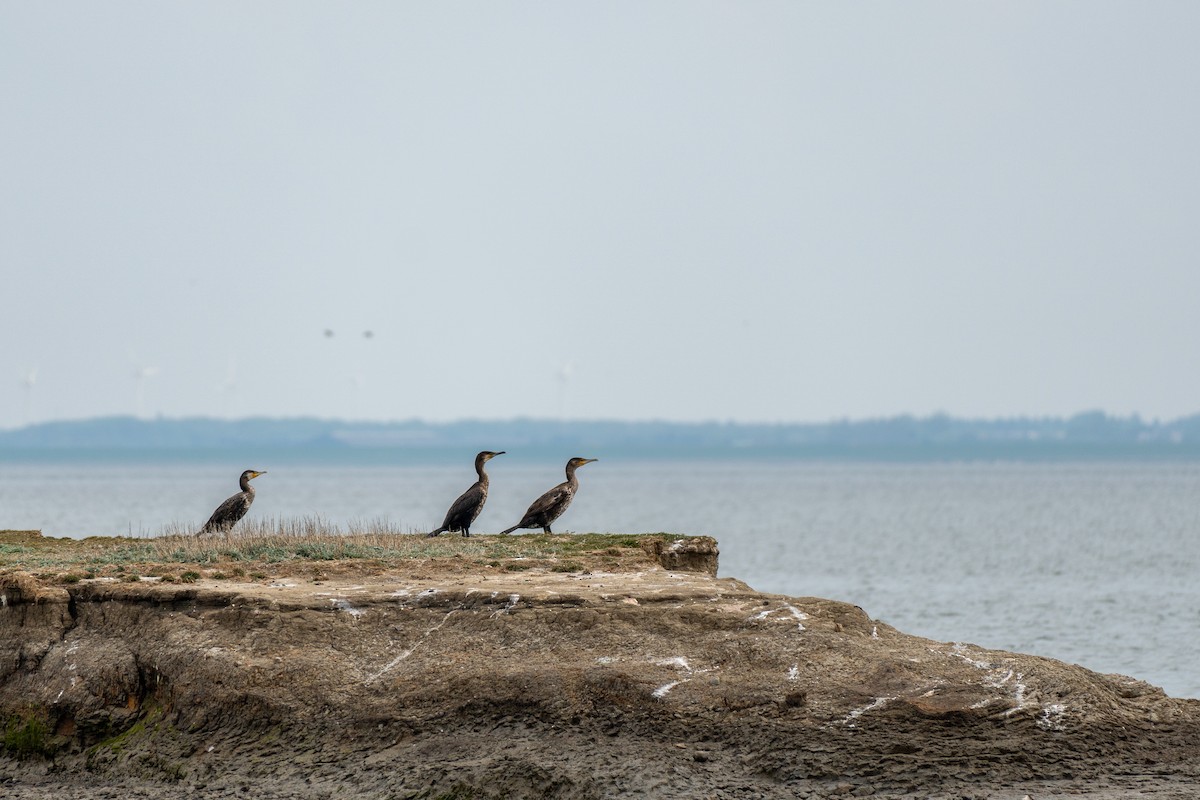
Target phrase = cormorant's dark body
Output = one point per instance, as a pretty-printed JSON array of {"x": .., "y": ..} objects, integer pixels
[
  {"x": 233, "y": 509},
  {"x": 553, "y": 503},
  {"x": 466, "y": 508}
]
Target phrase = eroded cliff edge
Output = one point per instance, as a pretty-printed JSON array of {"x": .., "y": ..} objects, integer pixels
[{"x": 425, "y": 681}]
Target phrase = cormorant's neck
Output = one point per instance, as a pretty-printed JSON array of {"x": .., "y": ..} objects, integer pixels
[
  {"x": 479, "y": 462},
  {"x": 571, "y": 479},
  {"x": 245, "y": 484}
]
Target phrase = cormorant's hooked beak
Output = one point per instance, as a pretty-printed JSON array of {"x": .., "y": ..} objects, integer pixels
[{"x": 256, "y": 474}]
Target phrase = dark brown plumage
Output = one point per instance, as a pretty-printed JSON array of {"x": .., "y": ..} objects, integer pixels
[
  {"x": 553, "y": 503},
  {"x": 233, "y": 509},
  {"x": 466, "y": 508}
]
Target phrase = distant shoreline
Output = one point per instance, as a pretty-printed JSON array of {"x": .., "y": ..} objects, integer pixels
[
  {"x": 1092, "y": 436},
  {"x": 401, "y": 456}
]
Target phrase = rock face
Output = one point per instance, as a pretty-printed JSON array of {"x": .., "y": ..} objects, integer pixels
[{"x": 656, "y": 682}]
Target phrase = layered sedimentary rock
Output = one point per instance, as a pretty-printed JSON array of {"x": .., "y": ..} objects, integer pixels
[{"x": 661, "y": 680}]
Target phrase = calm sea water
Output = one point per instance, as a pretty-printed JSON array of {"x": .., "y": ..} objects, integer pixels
[{"x": 1091, "y": 563}]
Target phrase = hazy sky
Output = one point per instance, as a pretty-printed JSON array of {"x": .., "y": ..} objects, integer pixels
[{"x": 693, "y": 210}]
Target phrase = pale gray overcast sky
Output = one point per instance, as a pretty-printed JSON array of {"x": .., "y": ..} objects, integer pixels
[{"x": 680, "y": 210}]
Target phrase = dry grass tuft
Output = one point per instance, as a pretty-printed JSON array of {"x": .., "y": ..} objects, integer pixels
[{"x": 259, "y": 546}]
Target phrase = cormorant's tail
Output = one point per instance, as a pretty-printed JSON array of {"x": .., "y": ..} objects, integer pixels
[
  {"x": 431, "y": 534},
  {"x": 510, "y": 530}
]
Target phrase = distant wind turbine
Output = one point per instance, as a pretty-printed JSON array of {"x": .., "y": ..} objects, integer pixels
[
  {"x": 229, "y": 386},
  {"x": 29, "y": 382},
  {"x": 141, "y": 374},
  {"x": 563, "y": 374}
]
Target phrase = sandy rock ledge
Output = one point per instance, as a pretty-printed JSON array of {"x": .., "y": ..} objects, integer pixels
[{"x": 658, "y": 681}]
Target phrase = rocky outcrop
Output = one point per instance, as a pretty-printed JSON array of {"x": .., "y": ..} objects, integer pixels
[
  {"x": 696, "y": 554},
  {"x": 652, "y": 682}
]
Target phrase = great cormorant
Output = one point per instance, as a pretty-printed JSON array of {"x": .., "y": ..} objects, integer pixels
[
  {"x": 233, "y": 509},
  {"x": 553, "y": 503},
  {"x": 466, "y": 508}
]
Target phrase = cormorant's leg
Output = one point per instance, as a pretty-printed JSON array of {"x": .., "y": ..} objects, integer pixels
[
  {"x": 546, "y": 528},
  {"x": 466, "y": 531}
]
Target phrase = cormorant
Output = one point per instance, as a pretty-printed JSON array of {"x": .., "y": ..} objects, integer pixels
[
  {"x": 233, "y": 509},
  {"x": 466, "y": 508},
  {"x": 553, "y": 503}
]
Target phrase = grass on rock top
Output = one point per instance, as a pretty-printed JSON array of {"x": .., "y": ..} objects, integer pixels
[{"x": 291, "y": 546}]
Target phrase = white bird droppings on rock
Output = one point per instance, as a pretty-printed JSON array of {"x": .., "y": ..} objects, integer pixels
[
  {"x": 661, "y": 691},
  {"x": 796, "y": 614},
  {"x": 677, "y": 661},
  {"x": 342, "y": 605},
  {"x": 1051, "y": 718},
  {"x": 878, "y": 702}
]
